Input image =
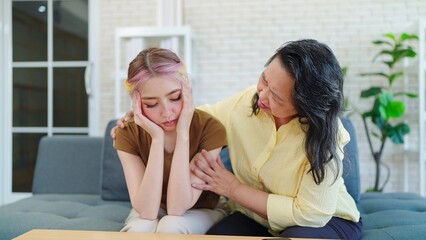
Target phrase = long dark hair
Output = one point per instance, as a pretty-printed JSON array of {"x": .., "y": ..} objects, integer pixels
[{"x": 318, "y": 99}]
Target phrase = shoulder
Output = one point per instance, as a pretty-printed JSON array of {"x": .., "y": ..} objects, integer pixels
[
  {"x": 130, "y": 128},
  {"x": 246, "y": 95},
  {"x": 241, "y": 98},
  {"x": 344, "y": 136},
  {"x": 202, "y": 118}
]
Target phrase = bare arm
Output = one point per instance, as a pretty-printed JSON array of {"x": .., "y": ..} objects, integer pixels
[
  {"x": 144, "y": 183},
  {"x": 179, "y": 191},
  {"x": 181, "y": 196}
]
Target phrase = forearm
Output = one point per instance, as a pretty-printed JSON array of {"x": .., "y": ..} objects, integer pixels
[
  {"x": 250, "y": 198},
  {"x": 179, "y": 192},
  {"x": 147, "y": 199}
]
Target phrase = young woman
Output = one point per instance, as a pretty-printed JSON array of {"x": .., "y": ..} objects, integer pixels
[{"x": 157, "y": 145}]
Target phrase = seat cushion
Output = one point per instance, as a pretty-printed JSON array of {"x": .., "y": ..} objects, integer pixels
[
  {"x": 62, "y": 211},
  {"x": 393, "y": 215}
]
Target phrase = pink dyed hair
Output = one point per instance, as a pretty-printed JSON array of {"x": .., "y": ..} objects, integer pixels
[{"x": 153, "y": 62}]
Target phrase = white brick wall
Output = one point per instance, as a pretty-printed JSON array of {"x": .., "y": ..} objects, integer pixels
[{"x": 234, "y": 38}]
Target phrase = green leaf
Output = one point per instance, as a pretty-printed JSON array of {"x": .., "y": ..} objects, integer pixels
[
  {"x": 405, "y": 36},
  {"x": 380, "y": 42},
  {"x": 394, "y": 76},
  {"x": 373, "y": 91},
  {"x": 396, "y": 134},
  {"x": 395, "y": 109},
  {"x": 381, "y": 74},
  {"x": 400, "y": 54},
  {"x": 391, "y": 36},
  {"x": 389, "y": 64},
  {"x": 344, "y": 70},
  {"x": 383, "y": 52},
  {"x": 385, "y": 98},
  {"x": 410, "y": 95},
  {"x": 383, "y": 112}
]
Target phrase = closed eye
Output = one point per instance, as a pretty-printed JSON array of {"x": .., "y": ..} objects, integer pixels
[
  {"x": 264, "y": 79},
  {"x": 177, "y": 99},
  {"x": 151, "y": 105}
]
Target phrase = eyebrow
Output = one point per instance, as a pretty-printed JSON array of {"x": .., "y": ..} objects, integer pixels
[
  {"x": 273, "y": 93},
  {"x": 168, "y": 94}
]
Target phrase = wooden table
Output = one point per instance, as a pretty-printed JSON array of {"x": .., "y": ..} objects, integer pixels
[{"x": 44, "y": 234}]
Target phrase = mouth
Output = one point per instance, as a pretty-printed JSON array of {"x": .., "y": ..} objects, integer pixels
[
  {"x": 170, "y": 123},
  {"x": 261, "y": 105}
]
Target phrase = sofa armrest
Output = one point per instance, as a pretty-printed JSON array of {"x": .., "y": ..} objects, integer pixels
[{"x": 68, "y": 164}]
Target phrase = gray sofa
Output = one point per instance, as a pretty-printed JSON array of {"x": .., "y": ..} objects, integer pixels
[{"x": 79, "y": 184}]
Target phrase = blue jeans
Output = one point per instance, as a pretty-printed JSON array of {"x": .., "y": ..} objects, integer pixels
[{"x": 239, "y": 224}]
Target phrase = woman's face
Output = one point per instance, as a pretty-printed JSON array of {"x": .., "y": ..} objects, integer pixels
[
  {"x": 275, "y": 88},
  {"x": 161, "y": 100}
]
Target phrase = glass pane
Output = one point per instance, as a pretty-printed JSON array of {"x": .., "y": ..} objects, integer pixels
[
  {"x": 29, "y": 97},
  {"x": 25, "y": 147},
  {"x": 69, "y": 98},
  {"x": 70, "y": 30},
  {"x": 29, "y": 30}
]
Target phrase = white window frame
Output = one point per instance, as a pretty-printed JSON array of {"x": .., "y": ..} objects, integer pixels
[{"x": 92, "y": 83}]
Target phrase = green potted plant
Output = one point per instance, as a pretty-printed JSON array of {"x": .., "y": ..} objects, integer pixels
[{"x": 384, "y": 119}]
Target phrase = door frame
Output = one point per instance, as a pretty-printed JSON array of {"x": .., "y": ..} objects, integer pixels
[{"x": 6, "y": 86}]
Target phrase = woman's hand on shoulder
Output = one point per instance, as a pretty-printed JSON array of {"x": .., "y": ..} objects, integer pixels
[
  {"x": 188, "y": 109},
  {"x": 141, "y": 120},
  {"x": 120, "y": 123}
]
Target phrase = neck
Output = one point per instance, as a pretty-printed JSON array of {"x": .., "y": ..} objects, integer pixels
[
  {"x": 169, "y": 141},
  {"x": 282, "y": 121}
]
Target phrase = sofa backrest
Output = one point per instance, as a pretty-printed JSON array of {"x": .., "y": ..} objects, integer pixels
[
  {"x": 113, "y": 182},
  {"x": 351, "y": 174},
  {"x": 68, "y": 164}
]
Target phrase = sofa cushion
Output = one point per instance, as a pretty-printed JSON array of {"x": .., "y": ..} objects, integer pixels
[
  {"x": 59, "y": 165},
  {"x": 393, "y": 215},
  {"x": 113, "y": 182},
  {"x": 62, "y": 211}
]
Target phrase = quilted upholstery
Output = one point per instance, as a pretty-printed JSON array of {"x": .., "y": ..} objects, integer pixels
[
  {"x": 66, "y": 191},
  {"x": 62, "y": 211},
  {"x": 393, "y": 215}
]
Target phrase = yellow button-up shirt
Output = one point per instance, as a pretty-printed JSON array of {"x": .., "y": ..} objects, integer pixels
[{"x": 275, "y": 162}]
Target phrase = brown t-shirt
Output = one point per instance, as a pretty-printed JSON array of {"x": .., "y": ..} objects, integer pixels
[{"x": 205, "y": 132}]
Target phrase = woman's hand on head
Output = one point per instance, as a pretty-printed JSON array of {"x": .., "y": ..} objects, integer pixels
[
  {"x": 216, "y": 177},
  {"x": 141, "y": 120},
  {"x": 188, "y": 109}
]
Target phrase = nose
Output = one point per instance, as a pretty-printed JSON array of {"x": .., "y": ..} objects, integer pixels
[
  {"x": 263, "y": 95},
  {"x": 166, "y": 110}
]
